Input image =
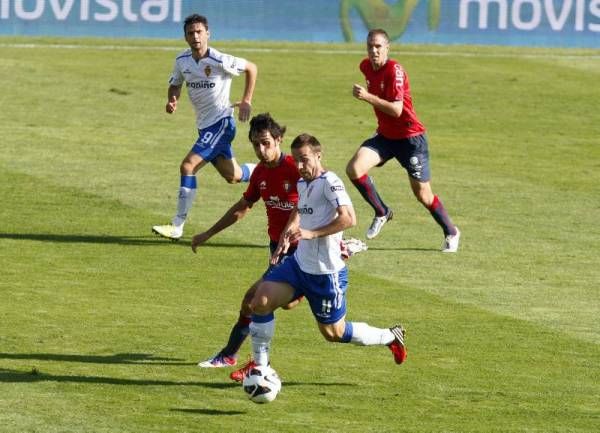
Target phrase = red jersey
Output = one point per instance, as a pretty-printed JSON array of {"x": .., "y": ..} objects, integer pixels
[
  {"x": 277, "y": 187},
  {"x": 390, "y": 82}
]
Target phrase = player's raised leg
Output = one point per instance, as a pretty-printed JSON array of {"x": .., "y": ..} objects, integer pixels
[
  {"x": 231, "y": 171},
  {"x": 363, "y": 334},
  {"x": 327, "y": 300}
]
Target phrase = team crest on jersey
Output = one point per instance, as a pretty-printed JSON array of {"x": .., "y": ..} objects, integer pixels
[
  {"x": 207, "y": 70},
  {"x": 287, "y": 186},
  {"x": 262, "y": 185}
]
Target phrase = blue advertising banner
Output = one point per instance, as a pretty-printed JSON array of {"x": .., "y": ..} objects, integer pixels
[{"x": 559, "y": 23}]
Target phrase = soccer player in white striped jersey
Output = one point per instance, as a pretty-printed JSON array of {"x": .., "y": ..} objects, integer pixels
[
  {"x": 316, "y": 270},
  {"x": 207, "y": 74}
]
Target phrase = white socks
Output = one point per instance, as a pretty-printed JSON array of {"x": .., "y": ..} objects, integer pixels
[
  {"x": 366, "y": 335},
  {"x": 261, "y": 333},
  {"x": 184, "y": 204}
]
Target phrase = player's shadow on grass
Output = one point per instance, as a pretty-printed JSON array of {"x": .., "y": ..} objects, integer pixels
[
  {"x": 84, "y": 239},
  {"x": 34, "y": 375},
  {"x": 118, "y": 240},
  {"x": 208, "y": 411},
  {"x": 118, "y": 358}
]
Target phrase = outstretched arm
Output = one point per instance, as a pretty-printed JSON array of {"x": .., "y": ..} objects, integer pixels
[{"x": 233, "y": 215}]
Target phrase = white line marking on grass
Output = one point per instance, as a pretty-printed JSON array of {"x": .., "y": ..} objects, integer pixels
[{"x": 425, "y": 53}]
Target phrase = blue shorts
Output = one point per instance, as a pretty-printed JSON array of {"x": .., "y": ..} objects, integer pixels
[
  {"x": 412, "y": 153},
  {"x": 272, "y": 247},
  {"x": 326, "y": 293},
  {"x": 215, "y": 140}
]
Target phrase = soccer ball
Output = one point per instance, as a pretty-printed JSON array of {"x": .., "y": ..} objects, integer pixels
[{"x": 262, "y": 384}]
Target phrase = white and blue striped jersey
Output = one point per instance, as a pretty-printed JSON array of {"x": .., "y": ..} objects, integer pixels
[
  {"x": 208, "y": 83},
  {"x": 317, "y": 205}
]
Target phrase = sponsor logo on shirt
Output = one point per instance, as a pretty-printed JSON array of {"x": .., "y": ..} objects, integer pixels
[
  {"x": 274, "y": 202},
  {"x": 335, "y": 188},
  {"x": 399, "y": 76},
  {"x": 201, "y": 85}
]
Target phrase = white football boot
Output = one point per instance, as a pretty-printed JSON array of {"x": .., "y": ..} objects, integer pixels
[
  {"x": 378, "y": 223},
  {"x": 450, "y": 244},
  {"x": 169, "y": 231}
]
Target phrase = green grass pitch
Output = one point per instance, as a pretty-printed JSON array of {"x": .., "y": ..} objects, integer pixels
[{"x": 102, "y": 324}]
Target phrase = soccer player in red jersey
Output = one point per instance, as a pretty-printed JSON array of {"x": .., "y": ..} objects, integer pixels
[
  {"x": 399, "y": 135},
  {"x": 274, "y": 181}
]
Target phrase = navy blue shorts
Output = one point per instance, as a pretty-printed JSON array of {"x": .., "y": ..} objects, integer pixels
[{"x": 412, "y": 153}]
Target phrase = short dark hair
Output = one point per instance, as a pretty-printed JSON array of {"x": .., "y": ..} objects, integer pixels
[
  {"x": 381, "y": 32},
  {"x": 264, "y": 122},
  {"x": 306, "y": 140},
  {"x": 193, "y": 19}
]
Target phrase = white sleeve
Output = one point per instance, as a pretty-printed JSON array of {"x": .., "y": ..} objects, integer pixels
[
  {"x": 233, "y": 65},
  {"x": 176, "y": 78},
  {"x": 335, "y": 191}
]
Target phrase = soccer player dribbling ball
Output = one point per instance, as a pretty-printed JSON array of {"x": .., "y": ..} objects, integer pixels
[
  {"x": 207, "y": 74},
  {"x": 316, "y": 269},
  {"x": 274, "y": 181},
  {"x": 400, "y": 134}
]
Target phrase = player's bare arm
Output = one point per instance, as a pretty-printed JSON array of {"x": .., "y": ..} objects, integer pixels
[
  {"x": 392, "y": 108},
  {"x": 173, "y": 95},
  {"x": 245, "y": 105},
  {"x": 233, "y": 215},
  {"x": 346, "y": 218},
  {"x": 287, "y": 236}
]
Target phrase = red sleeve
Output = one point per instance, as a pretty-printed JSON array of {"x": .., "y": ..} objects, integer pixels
[
  {"x": 362, "y": 66},
  {"x": 252, "y": 193},
  {"x": 394, "y": 82}
]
